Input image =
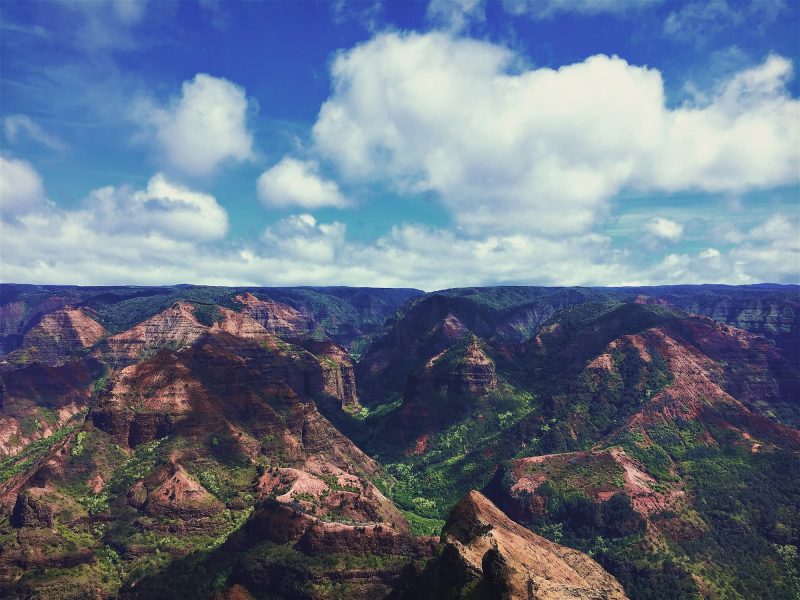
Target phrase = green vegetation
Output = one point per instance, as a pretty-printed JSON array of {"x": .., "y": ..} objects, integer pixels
[
  {"x": 12, "y": 465},
  {"x": 429, "y": 484},
  {"x": 378, "y": 411},
  {"x": 77, "y": 448},
  {"x": 206, "y": 313},
  {"x": 423, "y": 525}
]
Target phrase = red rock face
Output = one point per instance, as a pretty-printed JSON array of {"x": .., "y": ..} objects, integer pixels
[
  {"x": 338, "y": 375},
  {"x": 281, "y": 524},
  {"x": 699, "y": 356},
  {"x": 310, "y": 536},
  {"x": 482, "y": 543},
  {"x": 15, "y": 317},
  {"x": 44, "y": 383},
  {"x": 242, "y": 325},
  {"x": 321, "y": 488},
  {"x": 279, "y": 319},
  {"x": 257, "y": 392},
  {"x": 225, "y": 384},
  {"x": 698, "y": 387},
  {"x": 170, "y": 492},
  {"x": 174, "y": 327},
  {"x": 145, "y": 401},
  {"x": 58, "y": 335},
  {"x": 475, "y": 372}
]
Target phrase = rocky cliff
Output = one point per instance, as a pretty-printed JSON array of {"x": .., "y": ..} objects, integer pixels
[
  {"x": 487, "y": 555},
  {"x": 175, "y": 327},
  {"x": 277, "y": 318},
  {"x": 57, "y": 336}
]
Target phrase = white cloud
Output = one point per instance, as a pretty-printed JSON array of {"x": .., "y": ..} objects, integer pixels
[
  {"x": 773, "y": 246},
  {"x": 776, "y": 228},
  {"x": 296, "y": 183},
  {"x": 546, "y": 9},
  {"x": 543, "y": 150},
  {"x": 769, "y": 252},
  {"x": 21, "y": 188},
  {"x": 456, "y": 15},
  {"x": 709, "y": 253},
  {"x": 159, "y": 234},
  {"x": 86, "y": 246},
  {"x": 163, "y": 207},
  {"x": 204, "y": 127},
  {"x": 129, "y": 11},
  {"x": 664, "y": 229},
  {"x": 300, "y": 237},
  {"x": 16, "y": 126},
  {"x": 167, "y": 233},
  {"x": 745, "y": 138}
]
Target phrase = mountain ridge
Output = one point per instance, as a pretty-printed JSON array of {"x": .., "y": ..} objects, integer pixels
[{"x": 261, "y": 442}]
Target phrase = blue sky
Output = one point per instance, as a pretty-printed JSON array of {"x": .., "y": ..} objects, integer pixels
[{"x": 427, "y": 144}]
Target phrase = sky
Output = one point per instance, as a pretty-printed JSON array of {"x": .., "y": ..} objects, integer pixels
[{"x": 426, "y": 144}]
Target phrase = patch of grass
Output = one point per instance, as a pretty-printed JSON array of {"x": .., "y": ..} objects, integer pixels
[{"x": 423, "y": 525}]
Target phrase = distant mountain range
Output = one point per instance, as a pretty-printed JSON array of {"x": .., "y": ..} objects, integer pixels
[{"x": 503, "y": 442}]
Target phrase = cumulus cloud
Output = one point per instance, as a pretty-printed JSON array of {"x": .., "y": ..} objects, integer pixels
[
  {"x": 543, "y": 150},
  {"x": 116, "y": 235},
  {"x": 202, "y": 128},
  {"x": 745, "y": 138},
  {"x": 456, "y": 15},
  {"x": 546, "y": 9},
  {"x": 773, "y": 246},
  {"x": 88, "y": 246},
  {"x": 18, "y": 126},
  {"x": 292, "y": 182},
  {"x": 21, "y": 187},
  {"x": 302, "y": 238},
  {"x": 162, "y": 208},
  {"x": 769, "y": 252},
  {"x": 664, "y": 229}
]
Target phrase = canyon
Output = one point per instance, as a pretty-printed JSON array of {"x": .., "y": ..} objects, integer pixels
[{"x": 507, "y": 442}]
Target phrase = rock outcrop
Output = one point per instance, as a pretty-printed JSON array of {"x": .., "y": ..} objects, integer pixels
[
  {"x": 57, "y": 336},
  {"x": 700, "y": 384},
  {"x": 242, "y": 325},
  {"x": 490, "y": 554},
  {"x": 282, "y": 524},
  {"x": 321, "y": 559},
  {"x": 19, "y": 315},
  {"x": 30, "y": 511},
  {"x": 36, "y": 400},
  {"x": 338, "y": 374},
  {"x": 277, "y": 318},
  {"x": 170, "y": 492},
  {"x": 474, "y": 372},
  {"x": 146, "y": 400},
  {"x": 173, "y": 328}
]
